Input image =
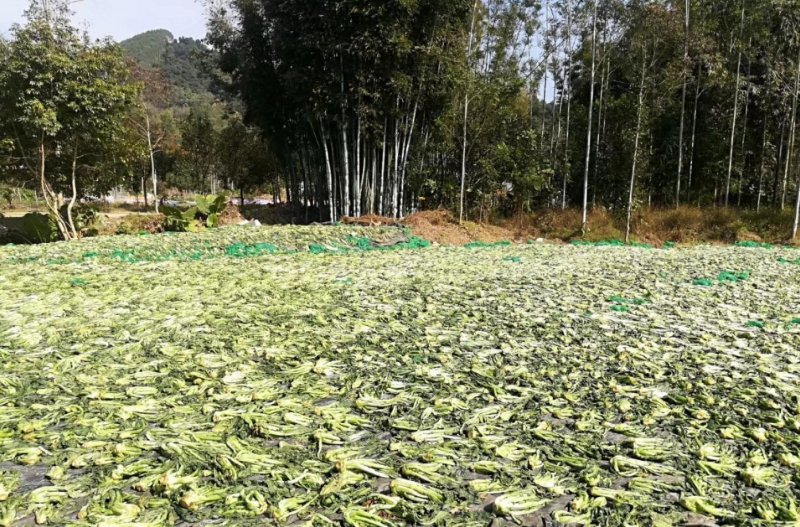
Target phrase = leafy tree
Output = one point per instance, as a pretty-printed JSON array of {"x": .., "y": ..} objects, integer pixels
[
  {"x": 150, "y": 120},
  {"x": 197, "y": 158},
  {"x": 245, "y": 162},
  {"x": 64, "y": 102}
]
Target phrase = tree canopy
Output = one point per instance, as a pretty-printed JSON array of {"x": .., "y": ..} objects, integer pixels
[
  {"x": 378, "y": 106},
  {"x": 482, "y": 106},
  {"x": 63, "y": 101}
]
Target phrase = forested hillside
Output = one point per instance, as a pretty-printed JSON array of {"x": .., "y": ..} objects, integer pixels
[
  {"x": 149, "y": 48},
  {"x": 177, "y": 59}
]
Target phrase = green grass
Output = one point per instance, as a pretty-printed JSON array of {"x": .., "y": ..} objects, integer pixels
[{"x": 237, "y": 376}]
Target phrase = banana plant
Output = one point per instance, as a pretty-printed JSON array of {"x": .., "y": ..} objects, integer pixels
[{"x": 205, "y": 214}]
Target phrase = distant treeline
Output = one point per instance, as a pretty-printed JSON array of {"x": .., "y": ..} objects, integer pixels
[
  {"x": 388, "y": 106},
  {"x": 483, "y": 107}
]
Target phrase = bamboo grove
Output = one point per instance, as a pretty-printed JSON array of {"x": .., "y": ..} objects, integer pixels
[{"x": 479, "y": 105}]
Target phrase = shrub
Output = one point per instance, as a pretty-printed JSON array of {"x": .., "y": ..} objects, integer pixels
[
  {"x": 205, "y": 214},
  {"x": 86, "y": 216},
  {"x": 32, "y": 228},
  {"x": 142, "y": 223}
]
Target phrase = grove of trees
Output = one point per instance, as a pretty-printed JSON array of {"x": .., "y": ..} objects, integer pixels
[
  {"x": 350, "y": 107},
  {"x": 79, "y": 118},
  {"x": 386, "y": 107}
]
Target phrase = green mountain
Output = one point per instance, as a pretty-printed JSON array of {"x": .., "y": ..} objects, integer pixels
[
  {"x": 150, "y": 48},
  {"x": 177, "y": 59}
]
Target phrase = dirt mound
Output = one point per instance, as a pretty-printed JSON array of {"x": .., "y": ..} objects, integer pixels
[
  {"x": 437, "y": 226},
  {"x": 232, "y": 215},
  {"x": 486, "y": 233},
  {"x": 438, "y": 218},
  {"x": 440, "y": 226},
  {"x": 370, "y": 220}
]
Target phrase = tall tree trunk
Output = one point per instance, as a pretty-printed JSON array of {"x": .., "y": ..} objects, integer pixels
[
  {"x": 306, "y": 195},
  {"x": 600, "y": 125},
  {"x": 544, "y": 110},
  {"x": 792, "y": 134},
  {"x": 357, "y": 182},
  {"x": 735, "y": 115},
  {"x": 406, "y": 151},
  {"x": 555, "y": 130},
  {"x": 585, "y": 219},
  {"x": 466, "y": 113},
  {"x": 463, "y": 162},
  {"x": 650, "y": 175},
  {"x": 153, "y": 173},
  {"x": 693, "y": 140},
  {"x": 346, "y": 168},
  {"x": 329, "y": 174},
  {"x": 640, "y": 111},
  {"x": 776, "y": 176},
  {"x": 51, "y": 199},
  {"x": 544, "y": 104},
  {"x": 686, "y": 28},
  {"x": 762, "y": 168},
  {"x": 396, "y": 169},
  {"x": 796, "y": 224},
  {"x": 374, "y": 180},
  {"x": 568, "y": 79},
  {"x": 74, "y": 187},
  {"x": 384, "y": 160},
  {"x": 744, "y": 138}
]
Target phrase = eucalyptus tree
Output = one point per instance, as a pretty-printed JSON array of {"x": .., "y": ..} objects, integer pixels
[
  {"x": 687, "y": 10},
  {"x": 737, "y": 89},
  {"x": 585, "y": 216},
  {"x": 469, "y": 59},
  {"x": 567, "y": 15},
  {"x": 198, "y": 159}
]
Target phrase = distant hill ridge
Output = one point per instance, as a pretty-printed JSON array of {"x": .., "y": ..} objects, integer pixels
[
  {"x": 177, "y": 58},
  {"x": 149, "y": 48}
]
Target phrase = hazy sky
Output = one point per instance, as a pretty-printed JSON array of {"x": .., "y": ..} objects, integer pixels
[{"x": 122, "y": 19}]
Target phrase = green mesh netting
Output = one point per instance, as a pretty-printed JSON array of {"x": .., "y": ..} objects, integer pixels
[
  {"x": 78, "y": 282},
  {"x": 315, "y": 248},
  {"x": 754, "y": 245},
  {"x": 361, "y": 243},
  {"x": 621, "y": 304},
  {"x": 725, "y": 277},
  {"x": 733, "y": 277},
  {"x": 240, "y": 250}
]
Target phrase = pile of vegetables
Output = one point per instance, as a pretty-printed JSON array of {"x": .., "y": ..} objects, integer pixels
[{"x": 531, "y": 384}]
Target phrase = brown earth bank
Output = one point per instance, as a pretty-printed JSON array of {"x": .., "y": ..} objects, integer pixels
[{"x": 685, "y": 225}]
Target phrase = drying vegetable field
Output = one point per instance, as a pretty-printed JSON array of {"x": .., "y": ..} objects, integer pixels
[{"x": 345, "y": 376}]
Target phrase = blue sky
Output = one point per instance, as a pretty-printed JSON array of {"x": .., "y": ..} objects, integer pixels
[{"x": 122, "y": 19}]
